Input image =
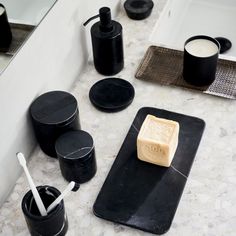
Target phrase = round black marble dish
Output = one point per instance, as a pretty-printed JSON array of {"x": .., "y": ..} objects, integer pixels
[
  {"x": 225, "y": 44},
  {"x": 138, "y": 9},
  {"x": 112, "y": 94}
]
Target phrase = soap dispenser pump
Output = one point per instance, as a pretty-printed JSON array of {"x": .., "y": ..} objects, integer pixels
[{"x": 107, "y": 43}]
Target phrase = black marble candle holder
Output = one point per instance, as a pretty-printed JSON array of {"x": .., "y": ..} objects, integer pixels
[{"x": 199, "y": 66}]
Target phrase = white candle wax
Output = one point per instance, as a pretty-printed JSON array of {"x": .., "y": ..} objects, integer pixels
[
  {"x": 2, "y": 10},
  {"x": 201, "y": 48}
]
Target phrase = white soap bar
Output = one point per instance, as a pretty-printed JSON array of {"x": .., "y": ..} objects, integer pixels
[{"x": 157, "y": 140}]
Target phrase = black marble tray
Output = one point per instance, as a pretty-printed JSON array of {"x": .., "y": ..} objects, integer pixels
[{"x": 143, "y": 195}]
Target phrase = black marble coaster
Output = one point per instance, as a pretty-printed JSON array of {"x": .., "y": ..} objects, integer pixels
[
  {"x": 143, "y": 195},
  {"x": 112, "y": 94}
]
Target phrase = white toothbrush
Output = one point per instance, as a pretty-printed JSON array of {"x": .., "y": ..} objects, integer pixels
[
  {"x": 71, "y": 187},
  {"x": 34, "y": 190}
]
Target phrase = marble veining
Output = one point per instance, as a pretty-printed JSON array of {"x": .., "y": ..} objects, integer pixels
[
  {"x": 207, "y": 206},
  {"x": 178, "y": 171}
]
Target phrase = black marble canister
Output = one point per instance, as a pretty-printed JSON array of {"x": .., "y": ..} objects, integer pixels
[
  {"x": 5, "y": 30},
  {"x": 76, "y": 154},
  {"x": 53, "y": 224},
  {"x": 53, "y": 114}
]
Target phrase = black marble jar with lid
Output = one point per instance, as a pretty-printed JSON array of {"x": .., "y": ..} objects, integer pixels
[
  {"x": 76, "y": 154},
  {"x": 53, "y": 114}
]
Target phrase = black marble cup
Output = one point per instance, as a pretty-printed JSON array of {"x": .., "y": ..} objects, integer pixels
[
  {"x": 200, "y": 60},
  {"x": 5, "y": 30},
  {"x": 55, "y": 223}
]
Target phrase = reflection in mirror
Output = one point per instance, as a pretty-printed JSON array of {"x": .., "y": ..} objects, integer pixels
[{"x": 22, "y": 17}]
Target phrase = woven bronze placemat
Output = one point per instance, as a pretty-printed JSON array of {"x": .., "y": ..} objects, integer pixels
[{"x": 165, "y": 66}]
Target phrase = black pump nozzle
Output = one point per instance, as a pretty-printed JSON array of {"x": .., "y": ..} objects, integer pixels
[
  {"x": 105, "y": 19},
  {"x": 91, "y": 18}
]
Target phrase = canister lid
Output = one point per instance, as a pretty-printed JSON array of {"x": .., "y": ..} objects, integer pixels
[
  {"x": 54, "y": 107},
  {"x": 112, "y": 94},
  {"x": 74, "y": 146},
  {"x": 225, "y": 44},
  {"x": 138, "y": 9}
]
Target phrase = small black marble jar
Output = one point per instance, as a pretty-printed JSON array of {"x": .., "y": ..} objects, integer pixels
[
  {"x": 76, "y": 154},
  {"x": 53, "y": 114},
  {"x": 53, "y": 224}
]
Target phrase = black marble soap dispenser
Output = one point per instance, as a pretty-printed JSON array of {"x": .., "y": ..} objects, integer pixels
[{"x": 107, "y": 43}]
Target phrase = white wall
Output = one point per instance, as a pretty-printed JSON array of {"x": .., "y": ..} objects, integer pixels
[{"x": 52, "y": 58}]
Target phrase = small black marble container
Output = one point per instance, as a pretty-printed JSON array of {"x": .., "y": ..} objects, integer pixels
[
  {"x": 76, "y": 154},
  {"x": 53, "y": 114},
  {"x": 5, "y": 30},
  {"x": 199, "y": 66},
  {"x": 55, "y": 223},
  {"x": 138, "y": 9}
]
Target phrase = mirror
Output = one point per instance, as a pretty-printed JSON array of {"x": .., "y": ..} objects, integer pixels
[{"x": 23, "y": 17}]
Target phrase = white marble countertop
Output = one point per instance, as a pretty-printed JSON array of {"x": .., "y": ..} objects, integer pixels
[{"x": 207, "y": 206}]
